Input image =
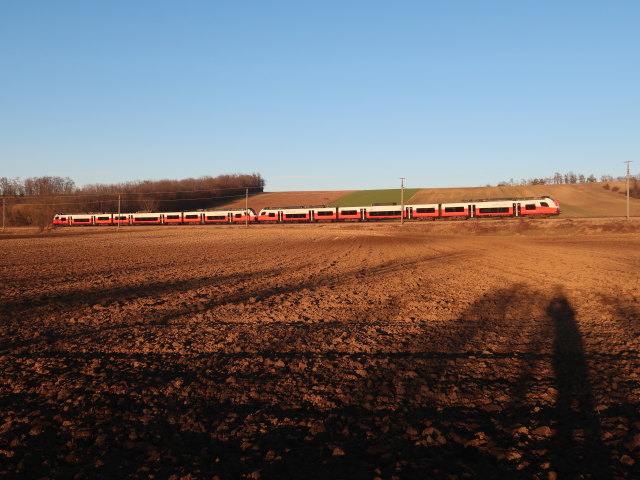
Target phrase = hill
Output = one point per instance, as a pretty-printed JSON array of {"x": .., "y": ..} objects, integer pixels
[
  {"x": 576, "y": 200},
  {"x": 286, "y": 199}
]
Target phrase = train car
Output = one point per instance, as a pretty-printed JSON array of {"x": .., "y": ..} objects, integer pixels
[
  {"x": 189, "y": 218},
  {"x": 103, "y": 219},
  {"x": 503, "y": 208},
  {"x": 80, "y": 219},
  {"x": 295, "y": 215},
  {"x": 269, "y": 215},
  {"x": 171, "y": 218},
  {"x": 285, "y": 214},
  {"x": 122, "y": 219},
  {"x": 215, "y": 216},
  {"x": 319, "y": 214},
  {"x": 224, "y": 216},
  {"x": 350, "y": 213},
  {"x": 431, "y": 211},
  {"x": 60, "y": 219},
  {"x": 242, "y": 216},
  {"x": 539, "y": 206},
  {"x": 384, "y": 212},
  {"x": 146, "y": 218},
  {"x": 456, "y": 210}
]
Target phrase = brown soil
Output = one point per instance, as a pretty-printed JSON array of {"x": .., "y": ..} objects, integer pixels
[{"x": 436, "y": 350}]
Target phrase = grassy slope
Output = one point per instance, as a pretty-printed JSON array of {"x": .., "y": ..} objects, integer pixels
[{"x": 367, "y": 197}]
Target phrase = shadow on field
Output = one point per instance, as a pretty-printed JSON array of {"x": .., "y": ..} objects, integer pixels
[
  {"x": 502, "y": 391},
  {"x": 577, "y": 437},
  {"x": 164, "y": 300}
]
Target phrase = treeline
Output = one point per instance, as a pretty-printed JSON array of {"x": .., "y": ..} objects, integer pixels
[
  {"x": 34, "y": 201},
  {"x": 571, "y": 178},
  {"x": 559, "y": 179}
]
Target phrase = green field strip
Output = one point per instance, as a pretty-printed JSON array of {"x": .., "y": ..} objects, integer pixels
[{"x": 368, "y": 197}]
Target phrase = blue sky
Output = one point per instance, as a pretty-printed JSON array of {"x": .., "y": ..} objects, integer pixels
[{"x": 319, "y": 95}]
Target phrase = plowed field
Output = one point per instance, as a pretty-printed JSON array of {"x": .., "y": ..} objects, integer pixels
[{"x": 322, "y": 351}]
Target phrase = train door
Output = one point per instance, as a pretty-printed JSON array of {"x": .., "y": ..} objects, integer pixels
[
  {"x": 516, "y": 209},
  {"x": 472, "y": 211}
]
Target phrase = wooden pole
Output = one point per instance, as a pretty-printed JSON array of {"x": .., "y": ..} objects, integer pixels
[
  {"x": 628, "y": 162},
  {"x": 402, "y": 179},
  {"x": 246, "y": 208}
]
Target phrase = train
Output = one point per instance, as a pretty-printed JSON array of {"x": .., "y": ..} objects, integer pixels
[{"x": 527, "y": 207}]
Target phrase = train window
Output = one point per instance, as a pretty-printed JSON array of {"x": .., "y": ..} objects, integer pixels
[
  {"x": 425, "y": 210},
  {"x": 147, "y": 219},
  {"x": 530, "y": 206},
  {"x": 120, "y": 218},
  {"x": 324, "y": 214},
  {"x": 390, "y": 213},
  {"x": 216, "y": 217},
  {"x": 453, "y": 209},
  {"x": 544, "y": 204},
  {"x": 191, "y": 217},
  {"x": 494, "y": 210},
  {"x": 62, "y": 219},
  {"x": 295, "y": 215},
  {"x": 349, "y": 212},
  {"x": 238, "y": 215},
  {"x": 172, "y": 217},
  {"x": 103, "y": 219},
  {"x": 81, "y": 220},
  {"x": 272, "y": 215}
]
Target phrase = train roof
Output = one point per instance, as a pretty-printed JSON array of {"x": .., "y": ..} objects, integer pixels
[
  {"x": 504, "y": 199},
  {"x": 295, "y": 207}
]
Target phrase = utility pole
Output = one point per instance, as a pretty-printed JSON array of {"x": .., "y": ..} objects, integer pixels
[
  {"x": 3, "y": 208},
  {"x": 628, "y": 162},
  {"x": 118, "y": 211},
  {"x": 246, "y": 208},
  {"x": 402, "y": 179}
]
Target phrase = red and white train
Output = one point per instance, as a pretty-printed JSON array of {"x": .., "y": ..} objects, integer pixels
[{"x": 489, "y": 208}]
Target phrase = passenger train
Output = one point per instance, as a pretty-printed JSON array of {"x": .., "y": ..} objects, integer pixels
[{"x": 528, "y": 207}]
